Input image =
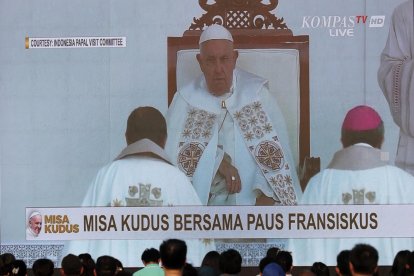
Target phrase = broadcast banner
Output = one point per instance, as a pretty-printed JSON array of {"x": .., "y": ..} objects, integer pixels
[{"x": 192, "y": 222}]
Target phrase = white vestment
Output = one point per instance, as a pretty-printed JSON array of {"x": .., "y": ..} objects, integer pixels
[
  {"x": 140, "y": 176},
  {"x": 356, "y": 175},
  {"x": 248, "y": 126},
  {"x": 395, "y": 77}
]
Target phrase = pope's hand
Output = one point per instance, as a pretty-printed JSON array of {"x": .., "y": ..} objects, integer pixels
[{"x": 231, "y": 174}]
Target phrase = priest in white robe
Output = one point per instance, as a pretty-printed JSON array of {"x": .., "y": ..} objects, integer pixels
[
  {"x": 227, "y": 133},
  {"x": 395, "y": 77},
  {"x": 140, "y": 176},
  {"x": 357, "y": 174}
]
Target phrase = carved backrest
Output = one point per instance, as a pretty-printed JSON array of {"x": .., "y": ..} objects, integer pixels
[
  {"x": 266, "y": 48},
  {"x": 241, "y": 15}
]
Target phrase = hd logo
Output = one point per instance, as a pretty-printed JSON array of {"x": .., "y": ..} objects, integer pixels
[{"x": 375, "y": 21}]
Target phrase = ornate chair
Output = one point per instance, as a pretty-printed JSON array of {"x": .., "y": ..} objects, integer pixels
[{"x": 266, "y": 48}]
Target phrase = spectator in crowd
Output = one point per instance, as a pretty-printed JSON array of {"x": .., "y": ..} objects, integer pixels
[
  {"x": 173, "y": 256},
  {"x": 230, "y": 262},
  {"x": 88, "y": 264},
  {"x": 342, "y": 263},
  {"x": 120, "y": 268},
  {"x": 210, "y": 264},
  {"x": 363, "y": 260},
  {"x": 409, "y": 266},
  {"x": 320, "y": 269},
  {"x": 189, "y": 270},
  {"x": 43, "y": 267},
  {"x": 285, "y": 260},
  {"x": 71, "y": 266},
  {"x": 273, "y": 269},
  {"x": 6, "y": 260},
  {"x": 264, "y": 262},
  {"x": 151, "y": 260},
  {"x": 272, "y": 252},
  {"x": 400, "y": 262},
  {"x": 106, "y": 266},
  {"x": 19, "y": 268}
]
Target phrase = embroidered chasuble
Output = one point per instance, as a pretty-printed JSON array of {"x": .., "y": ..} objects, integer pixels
[
  {"x": 244, "y": 125},
  {"x": 356, "y": 175},
  {"x": 140, "y": 176}
]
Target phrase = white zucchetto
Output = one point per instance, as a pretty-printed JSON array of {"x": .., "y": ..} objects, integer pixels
[{"x": 215, "y": 31}]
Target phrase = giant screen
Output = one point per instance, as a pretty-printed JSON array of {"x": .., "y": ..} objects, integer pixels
[{"x": 72, "y": 71}]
